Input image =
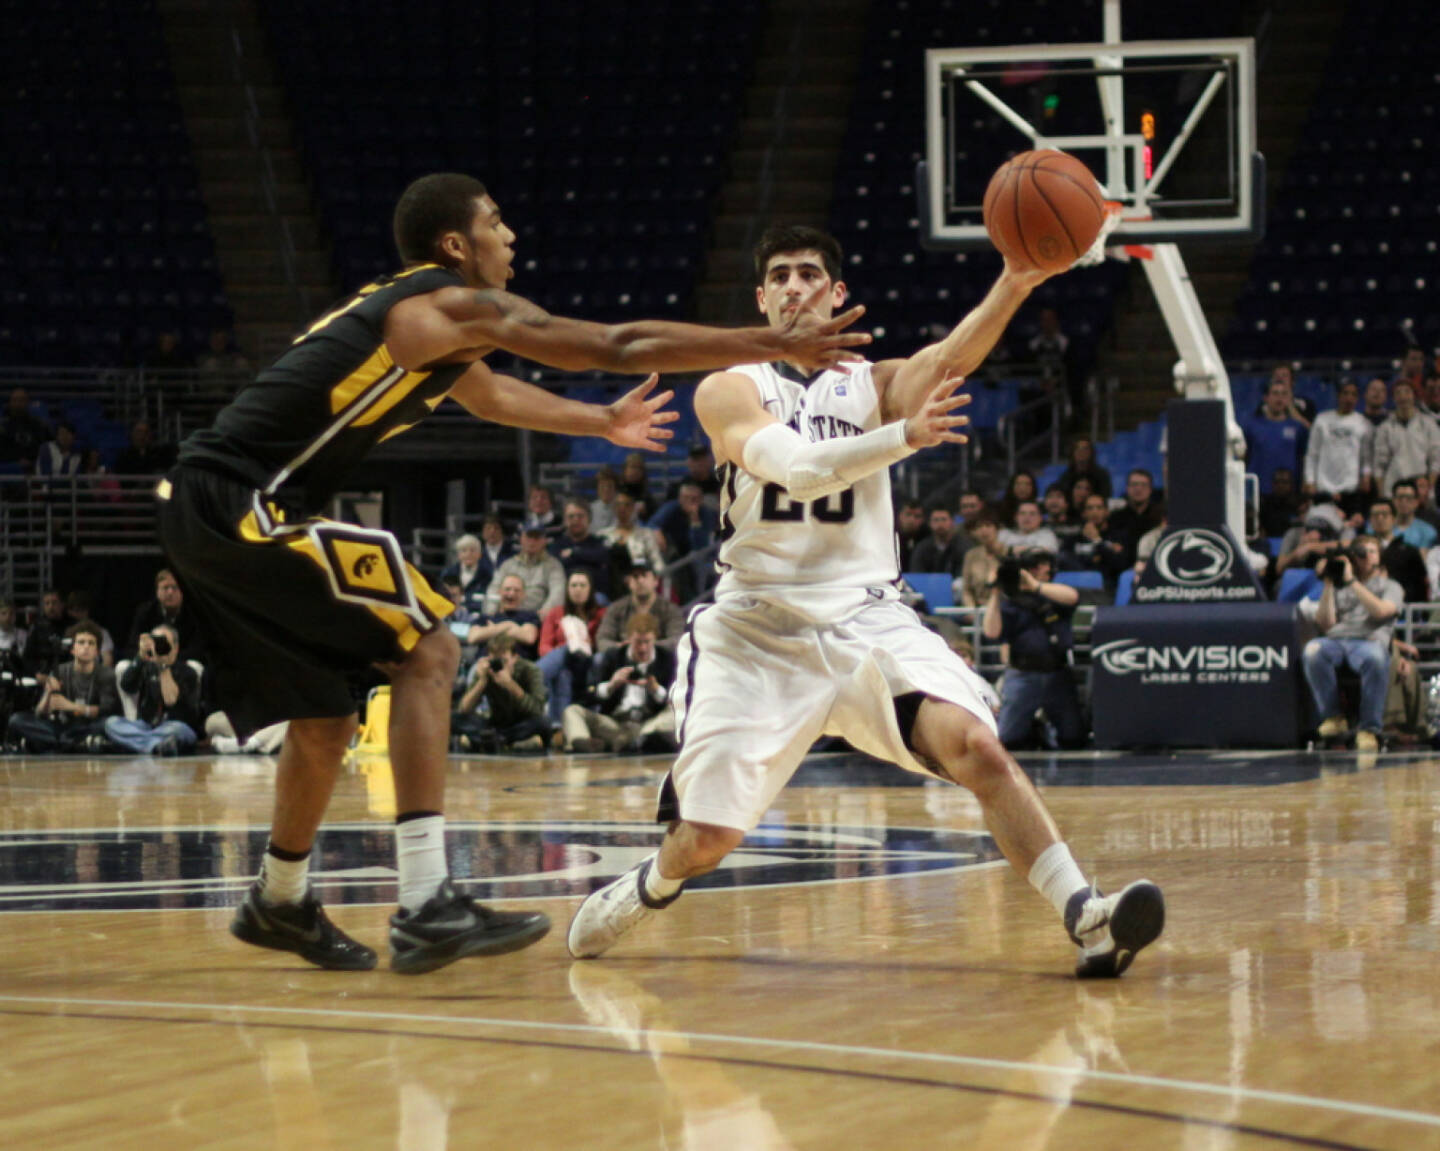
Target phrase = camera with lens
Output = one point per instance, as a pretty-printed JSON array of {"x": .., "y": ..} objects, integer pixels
[
  {"x": 1336, "y": 571},
  {"x": 161, "y": 642},
  {"x": 1007, "y": 577},
  {"x": 496, "y": 663}
]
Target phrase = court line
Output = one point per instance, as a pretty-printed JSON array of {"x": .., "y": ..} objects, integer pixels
[
  {"x": 1251, "y": 1094},
  {"x": 1066, "y": 1101}
]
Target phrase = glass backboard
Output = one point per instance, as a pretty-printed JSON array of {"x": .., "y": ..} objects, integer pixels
[{"x": 1166, "y": 126}]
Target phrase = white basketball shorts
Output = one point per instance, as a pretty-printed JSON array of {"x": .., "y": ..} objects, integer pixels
[{"x": 757, "y": 684}]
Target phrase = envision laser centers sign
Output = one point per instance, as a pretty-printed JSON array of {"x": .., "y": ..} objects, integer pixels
[{"x": 1210, "y": 663}]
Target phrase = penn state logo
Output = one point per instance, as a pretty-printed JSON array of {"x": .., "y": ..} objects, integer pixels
[
  {"x": 1194, "y": 557},
  {"x": 194, "y": 867}
]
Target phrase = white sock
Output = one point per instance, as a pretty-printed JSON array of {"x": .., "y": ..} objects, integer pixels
[
  {"x": 657, "y": 887},
  {"x": 283, "y": 880},
  {"x": 420, "y": 857},
  {"x": 1056, "y": 876}
]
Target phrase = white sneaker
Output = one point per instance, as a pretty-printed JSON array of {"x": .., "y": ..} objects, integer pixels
[
  {"x": 1333, "y": 728},
  {"x": 612, "y": 911},
  {"x": 225, "y": 744},
  {"x": 1109, "y": 930}
]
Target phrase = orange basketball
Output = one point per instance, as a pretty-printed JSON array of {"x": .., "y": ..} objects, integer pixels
[{"x": 1043, "y": 209}]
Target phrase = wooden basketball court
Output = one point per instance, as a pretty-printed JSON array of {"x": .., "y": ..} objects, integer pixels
[{"x": 866, "y": 975}]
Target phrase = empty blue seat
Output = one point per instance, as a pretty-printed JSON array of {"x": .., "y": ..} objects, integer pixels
[{"x": 934, "y": 586}]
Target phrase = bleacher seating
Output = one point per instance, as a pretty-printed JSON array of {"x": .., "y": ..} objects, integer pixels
[
  {"x": 1353, "y": 234},
  {"x": 106, "y": 240}
]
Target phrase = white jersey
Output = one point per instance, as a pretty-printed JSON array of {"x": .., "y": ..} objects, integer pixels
[{"x": 832, "y": 554}]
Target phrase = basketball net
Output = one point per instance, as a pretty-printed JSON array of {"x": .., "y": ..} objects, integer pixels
[{"x": 1099, "y": 251}]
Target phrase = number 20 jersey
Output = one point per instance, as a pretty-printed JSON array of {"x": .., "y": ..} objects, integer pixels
[{"x": 827, "y": 556}]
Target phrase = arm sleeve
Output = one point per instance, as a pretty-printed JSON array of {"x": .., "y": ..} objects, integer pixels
[{"x": 810, "y": 471}]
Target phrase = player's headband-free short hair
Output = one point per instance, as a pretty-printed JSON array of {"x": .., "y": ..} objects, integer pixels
[
  {"x": 431, "y": 206},
  {"x": 797, "y": 238}
]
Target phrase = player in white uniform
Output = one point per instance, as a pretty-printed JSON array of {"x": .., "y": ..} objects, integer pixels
[{"x": 807, "y": 635}]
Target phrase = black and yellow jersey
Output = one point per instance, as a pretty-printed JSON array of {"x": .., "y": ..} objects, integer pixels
[{"x": 315, "y": 413}]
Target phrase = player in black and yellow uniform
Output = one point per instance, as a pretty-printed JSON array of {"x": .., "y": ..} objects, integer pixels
[{"x": 291, "y": 602}]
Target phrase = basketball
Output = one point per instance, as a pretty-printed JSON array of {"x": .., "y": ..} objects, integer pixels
[{"x": 1043, "y": 209}]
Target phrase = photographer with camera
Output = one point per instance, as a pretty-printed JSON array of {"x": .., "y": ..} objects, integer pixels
[
  {"x": 75, "y": 700},
  {"x": 167, "y": 704},
  {"x": 504, "y": 704},
  {"x": 632, "y": 688},
  {"x": 1031, "y": 616},
  {"x": 1355, "y": 614}
]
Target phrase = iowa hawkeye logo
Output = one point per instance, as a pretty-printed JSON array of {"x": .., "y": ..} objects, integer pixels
[{"x": 155, "y": 868}]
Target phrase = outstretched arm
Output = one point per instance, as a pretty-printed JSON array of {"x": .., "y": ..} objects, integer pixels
[
  {"x": 425, "y": 329},
  {"x": 741, "y": 430},
  {"x": 904, "y": 384},
  {"x": 635, "y": 420}
]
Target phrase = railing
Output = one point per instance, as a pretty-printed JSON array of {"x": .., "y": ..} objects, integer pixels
[{"x": 1012, "y": 421}]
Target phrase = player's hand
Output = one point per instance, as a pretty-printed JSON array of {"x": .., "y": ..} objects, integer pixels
[
  {"x": 636, "y": 419},
  {"x": 821, "y": 343},
  {"x": 935, "y": 422},
  {"x": 1025, "y": 276}
]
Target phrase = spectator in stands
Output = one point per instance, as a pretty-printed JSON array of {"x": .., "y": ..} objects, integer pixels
[
  {"x": 44, "y": 646},
  {"x": 1082, "y": 490},
  {"x": 222, "y": 366},
  {"x": 75, "y": 702},
  {"x": 1029, "y": 532},
  {"x": 21, "y": 432},
  {"x": 630, "y": 542},
  {"x": 1412, "y": 369},
  {"x": 1377, "y": 401},
  {"x": 1279, "y": 508},
  {"x": 1098, "y": 546},
  {"x": 1337, "y": 460},
  {"x": 1057, "y": 515},
  {"x": 568, "y": 644},
  {"x": 1430, "y": 396},
  {"x": 540, "y": 510},
  {"x": 635, "y": 481},
  {"x": 97, "y": 477},
  {"x": 699, "y": 469},
  {"x": 981, "y": 561},
  {"x": 576, "y": 548},
  {"x": 144, "y": 457},
  {"x": 495, "y": 549},
  {"x": 512, "y": 615},
  {"x": 167, "y": 353},
  {"x": 1033, "y": 618},
  {"x": 910, "y": 528},
  {"x": 1142, "y": 511},
  {"x": 687, "y": 528},
  {"x": 167, "y": 705},
  {"x": 460, "y": 621},
  {"x": 1356, "y": 615},
  {"x": 602, "y": 507},
  {"x": 1427, "y": 510},
  {"x": 60, "y": 456},
  {"x": 644, "y": 597},
  {"x": 1403, "y": 561},
  {"x": 1048, "y": 348},
  {"x": 77, "y": 607},
  {"x": 1275, "y": 438},
  {"x": 944, "y": 549},
  {"x": 513, "y": 691},
  {"x": 1307, "y": 545},
  {"x": 1414, "y": 531},
  {"x": 1020, "y": 488},
  {"x": 1297, "y": 407},
  {"x": 468, "y": 572},
  {"x": 167, "y": 606},
  {"x": 1081, "y": 463},
  {"x": 972, "y": 503},
  {"x": 12, "y": 637},
  {"x": 541, "y": 573},
  {"x": 632, "y": 687},
  {"x": 1406, "y": 444}
]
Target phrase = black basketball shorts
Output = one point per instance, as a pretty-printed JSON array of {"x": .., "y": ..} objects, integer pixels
[{"x": 288, "y": 610}]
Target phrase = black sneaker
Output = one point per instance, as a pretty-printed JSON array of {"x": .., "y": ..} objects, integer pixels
[
  {"x": 1110, "y": 930},
  {"x": 451, "y": 926},
  {"x": 303, "y": 928}
]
